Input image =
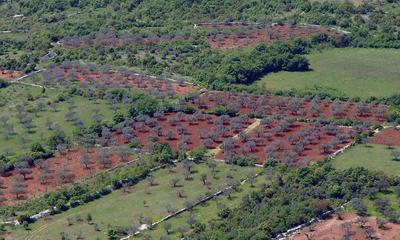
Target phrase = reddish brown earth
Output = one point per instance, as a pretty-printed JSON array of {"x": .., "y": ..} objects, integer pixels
[
  {"x": 389, "y": 136},
  {"x": 267, "y": 137},
  {"x": 332, "y": 229},
  {"x": 127, "y": 79},
  {"x": 10, "y": 74},
  {"x": 71, "y": 161},
  {"x": 290, "y": 107},
  {"x": 195, "y": 130},
  {"x": 221, "y": 26},
  {"x": 250, "y": 35}
]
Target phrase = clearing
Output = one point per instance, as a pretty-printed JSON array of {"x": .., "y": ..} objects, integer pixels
[
  {"x": 351, "y": 72},
  {"x": 372, "y": 156}
]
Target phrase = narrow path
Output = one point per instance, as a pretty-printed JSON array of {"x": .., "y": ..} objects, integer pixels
[
  {"x": 26, "y": 75},
  {"x": 249, "y": 128},
  {"x": 18, "y": 80}
]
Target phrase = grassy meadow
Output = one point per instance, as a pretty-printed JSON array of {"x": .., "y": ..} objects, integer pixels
[{"x": 351, "y": 72}]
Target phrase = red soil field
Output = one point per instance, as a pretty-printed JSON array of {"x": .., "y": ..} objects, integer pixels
[
  {"x": 53, "y": 173},
  {"x": 184, "y": 131},
  {"x": 223, "y": 25},
  {"x": 290, "y": 107},
  {"x": 9, "y": 74},
  {"x": 128, "y": 79},
  {"x": 389, "y": 136},
  {"x": 248, "y": 36},
  {"x": 290, "y": 142},
  {"x": 333, "y": 229}
]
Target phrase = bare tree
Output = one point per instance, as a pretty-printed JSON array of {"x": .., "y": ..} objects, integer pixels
[
  {"x": 103, "y": 158},
  {"x": 18, "y": 186},
  {"x": 65, "y": 175},
  {"x": 174, "y": 182},
  {"x": 86, "y": 160},
  {"x": 23, "y": 169}
]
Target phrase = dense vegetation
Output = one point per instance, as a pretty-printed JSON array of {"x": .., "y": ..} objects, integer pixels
[
  {"x": 294, "y": 197},
  {"x": 368, "y": 25},
  {"x": 89, "y": 109}
]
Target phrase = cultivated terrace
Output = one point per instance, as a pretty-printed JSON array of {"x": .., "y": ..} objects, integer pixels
[{"x": 190, "y": 120}]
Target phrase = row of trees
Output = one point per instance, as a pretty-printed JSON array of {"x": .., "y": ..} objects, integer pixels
[
  {"x": 270, "y": 139},
  {"x": 105, "y": 76},
  {"x": 312, "y": 107}
]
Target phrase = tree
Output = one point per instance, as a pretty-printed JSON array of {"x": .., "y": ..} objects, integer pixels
[
  {"x": 182, "y": 230},
  {"x": 44, "y": 176},
  {"x": 174, "y": 182},
  {"x": 65, "y": 175},
  {"x": 163, "y": 153},
  {"x": 8, "y": 131},
  {"x": 369, "y": 232},
  {"x": 167, "y": 227},
  {"x": 395, "y": 155},
  {"x": 359, "y": 207},
  {"x": 325, "y": 148},
  {"x": 23, "y": 169},
  {"x": 180, "y": 193},
  {"x": 315, "y": 108},
  {"x": 103, "y": 158},
  {"x": 347, "y": 233},
  {"x": 198, "y": 154},
  {"x": 58, "y": 138},
  {"x": 191, "y": 220},
  {"x": 381, "y": 223},
  {"x": 212, "y": 165},
  {"x": 86, "y": 160},
  {"x": 204, "y": 179},
  {"x": 170, "y": 134},
  {"x": 251, "y": 179},
  {"x": 18, "y": 186},
  {"x": 151, "y": 180}
]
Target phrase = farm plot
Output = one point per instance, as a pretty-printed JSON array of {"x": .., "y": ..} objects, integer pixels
[
  {"x": 288, "y": 141},
  {"x": 182, "y": 131},
  {"x": 352, "y": 72},
  {"x": 105, "y": 76},
  {"x": 251, "y": 35},
  {"x": 166, "y": 191},
  {"x": 9, "y": 74},
  {"x": 28, "y": 180},
  {"x": 389, "y": 137},
  {"x": 349, "y": 225},
  {"x": 374, "y": 157},
  {"x": 28, "y": 116},
  {"x": 301, "y": 108},
  {"x": 180, "y": 225}
]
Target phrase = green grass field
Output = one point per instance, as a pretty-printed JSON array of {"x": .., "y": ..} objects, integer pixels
[
  {"x": 372, "y": 156},
  {"x": 29, "y": 98},
  {"x": 204, "y": 212},
  {"x": 351, "y": 72},
  {"x": 123, "y": 209}
]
